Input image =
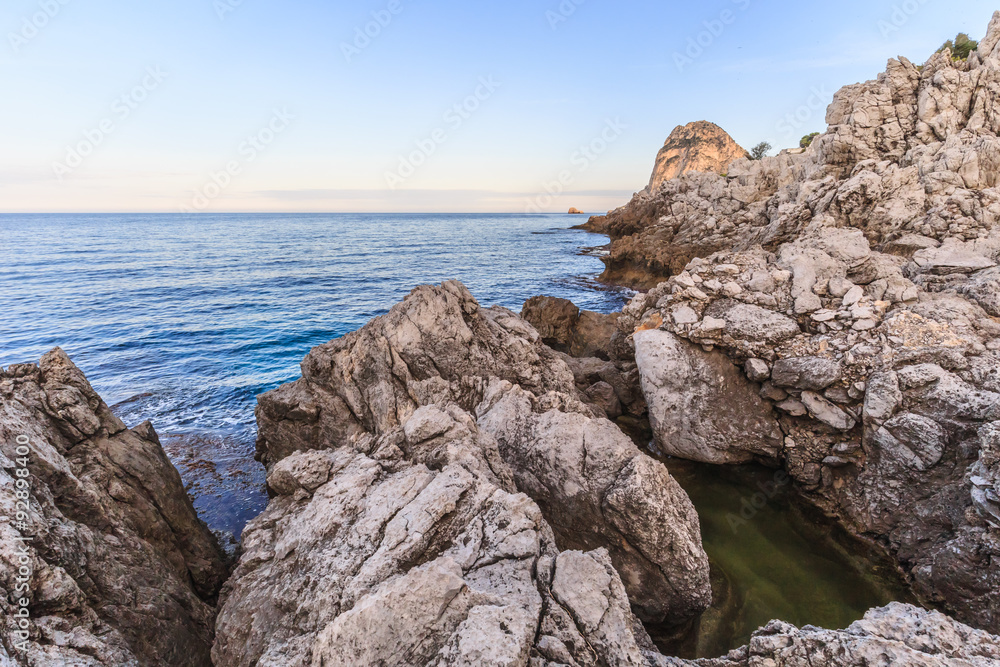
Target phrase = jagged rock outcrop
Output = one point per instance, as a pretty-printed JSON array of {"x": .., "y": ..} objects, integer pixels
[
  {"x": 856, "y": 284},
  {"x": 114, "y": 565},
  {"x": 411, "y": 550},
  {"x": 461, "y": 457},
  {"x": 700, "y": 146},
  {"x": 911, "y": 157},
  {"x": 898, "y": 634},
  {"x": 697, "y": 146}
]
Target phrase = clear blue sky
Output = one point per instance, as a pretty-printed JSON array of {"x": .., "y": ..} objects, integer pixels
[{"x": 162, "y": 95}]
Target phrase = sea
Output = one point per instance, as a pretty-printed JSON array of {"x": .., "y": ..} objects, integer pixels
[{"x": 183, "y": 320}]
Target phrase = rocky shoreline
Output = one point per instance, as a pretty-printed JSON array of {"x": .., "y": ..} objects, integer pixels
[
  {"x": 453, "y": 484},
  {"x": 431, "y": 503}
]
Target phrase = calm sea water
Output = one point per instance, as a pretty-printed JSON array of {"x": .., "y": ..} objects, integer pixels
[{"x": 184, "y": 320}]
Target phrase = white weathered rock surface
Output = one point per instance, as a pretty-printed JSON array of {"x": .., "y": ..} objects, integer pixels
[
  {"x": 393, "y": 563},
  {"x": 700, "y": 406},
  {"x": 898, "y": 634},
  {"x": 121, "y": 570},
  {"x": 862, "y": 274},
  {"x": 420, "y": 433},
  {"x": 598, "y": 489}
]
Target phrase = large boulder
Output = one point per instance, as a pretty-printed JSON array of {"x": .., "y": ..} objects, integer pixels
[
  {"x": 410, "y": 551},
  {"x": 701, "y": 407},
  {"x": 596, "y": 489},
  {"x": 439, "y": 347},
  {"x": 117, "y": 569}
]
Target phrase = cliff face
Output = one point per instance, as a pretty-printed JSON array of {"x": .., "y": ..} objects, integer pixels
[
  {"x": 914, "y": 153},
  {"x": 697, "y": 146},
  {"x": 106, "y": 550},
  {"x": 857, "y": 286}
]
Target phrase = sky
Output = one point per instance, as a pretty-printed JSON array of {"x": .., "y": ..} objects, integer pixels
[{"x": 413, "y": 105}]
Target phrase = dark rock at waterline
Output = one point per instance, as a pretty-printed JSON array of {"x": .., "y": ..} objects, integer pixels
[
  {"x": 567, "y": 328},
  {"x": 122, "y": 571},
  {"x": 596, "y": 224}
]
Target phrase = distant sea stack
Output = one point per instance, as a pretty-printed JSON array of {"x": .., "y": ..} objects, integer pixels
[
  {"x": 697, "y": 146},
  {"x": 575, "y": 211}
]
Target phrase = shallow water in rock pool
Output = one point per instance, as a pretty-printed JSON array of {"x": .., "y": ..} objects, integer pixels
[
  {"x": 773, "y": 557},
  {"x": 185, "y": 320}
]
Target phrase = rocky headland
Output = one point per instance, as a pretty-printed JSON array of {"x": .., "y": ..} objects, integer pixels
[
  {"x": 844, "y": 302},
  {"x": 453, "y": 484},
  {"x": 697, "y": 146}
]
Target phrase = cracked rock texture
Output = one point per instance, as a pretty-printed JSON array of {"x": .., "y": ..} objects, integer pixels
[
  {"x": 898, "y": 634},
  {"x": 442, "y": 486},
  {"x": 121, "y": 570},
  {"x": 492, "y": 525},
  {"x": 378, "y": 559},
  {"x": 854, "y": 286}
]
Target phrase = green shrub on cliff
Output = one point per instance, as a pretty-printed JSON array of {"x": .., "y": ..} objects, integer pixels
[
  {"x": 807, "y": 140},
  {"x": 961, "y": 47},
  {"x": 760, "y": 151}
]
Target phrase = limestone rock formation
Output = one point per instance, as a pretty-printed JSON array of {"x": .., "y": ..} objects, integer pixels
[
  {"x": 117, "y": 569},
  {"x": 856, "y": 284},
  {"x": 439, "y": 384},
  {"x": 697, "y": 146},
  {"x": 701, "y": 407},
  {"x": 898, "y": 634},
  {"x": 411, "y": 552},
  {"x": 596, "y": 489},
  {"x": 575, "y": 211},
  {"x": 918, "y": 168}
]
